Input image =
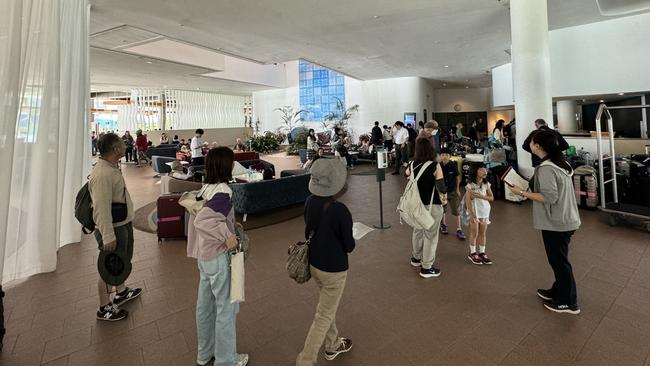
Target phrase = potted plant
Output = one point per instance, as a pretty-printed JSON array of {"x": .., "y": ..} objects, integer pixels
[{"x": 290, "y": 116}]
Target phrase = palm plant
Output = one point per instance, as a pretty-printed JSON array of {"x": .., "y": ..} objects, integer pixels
[
  {"x": 290, "y": 116},
  {"x": 340, "y": 117}
]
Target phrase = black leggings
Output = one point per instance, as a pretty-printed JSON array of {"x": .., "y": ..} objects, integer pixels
[{"x": 556, "y": 244}]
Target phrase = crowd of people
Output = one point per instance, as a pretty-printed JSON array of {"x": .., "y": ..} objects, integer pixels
[{"x": 328, "y": 225}]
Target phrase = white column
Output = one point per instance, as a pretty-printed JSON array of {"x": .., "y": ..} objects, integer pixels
[
  {"x": 566, "y": 116},
  {"x": 531, "y": 71}
]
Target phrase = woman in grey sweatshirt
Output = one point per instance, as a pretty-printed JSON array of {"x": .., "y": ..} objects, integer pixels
[{"x": 555, "y": 213}]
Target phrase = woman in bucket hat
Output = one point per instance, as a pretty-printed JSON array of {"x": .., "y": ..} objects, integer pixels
[{"x": 329, "y": 223}]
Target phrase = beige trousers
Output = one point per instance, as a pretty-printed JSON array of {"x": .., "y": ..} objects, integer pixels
[
  {"x": 323, "y": 329},
  {"x": 425, "y": 242}
]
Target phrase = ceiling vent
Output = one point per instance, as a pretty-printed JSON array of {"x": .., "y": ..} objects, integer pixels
[
  {"x": 122, "y": 37},
  {"x": 622, "y": 7}
]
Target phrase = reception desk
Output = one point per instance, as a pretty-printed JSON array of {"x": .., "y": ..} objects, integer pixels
[{"x": 621, "y": 145}]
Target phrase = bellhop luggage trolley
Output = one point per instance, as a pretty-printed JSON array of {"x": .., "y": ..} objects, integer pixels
[{"x": 615, "y": 209}]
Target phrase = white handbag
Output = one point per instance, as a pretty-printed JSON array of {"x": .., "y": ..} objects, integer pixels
[{"x": 237, "y": 275}]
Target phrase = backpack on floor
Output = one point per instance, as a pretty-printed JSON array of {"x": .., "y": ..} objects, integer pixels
[{"x": 410, "y": 208}]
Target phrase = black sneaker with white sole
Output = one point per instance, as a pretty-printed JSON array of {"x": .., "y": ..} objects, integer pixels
[
  {"x": 111, "y": 313},
  {"x": 345, "y": 346},
  {"x": 545, "y": 294},
  {"x": 430, "y": 272},
  {"x": 415, "y": 262},
  {"x": 561, "y": 308},
  {"x": 127, "y": 295}
]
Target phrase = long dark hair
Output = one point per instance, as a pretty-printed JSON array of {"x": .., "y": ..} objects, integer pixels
[
  {"x": 218, "y": 165},
  {"x": 311, "y": 133},
  {"x": 424, "y": 151},
  {"x": 547, "y": 141},
  {"x": 473, "y": 173},
  {"x": 499, "y": 125}
]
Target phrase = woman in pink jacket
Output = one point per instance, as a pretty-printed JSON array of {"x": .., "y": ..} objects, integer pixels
[{"x": 211, "y": 234}]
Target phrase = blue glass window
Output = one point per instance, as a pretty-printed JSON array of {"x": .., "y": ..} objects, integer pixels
[{"x": 319, "y": 89}]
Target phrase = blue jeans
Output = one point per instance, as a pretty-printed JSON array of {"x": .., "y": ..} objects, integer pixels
[{"x": 215, "y": 315}]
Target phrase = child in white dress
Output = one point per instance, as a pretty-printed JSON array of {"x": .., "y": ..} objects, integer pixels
[{"x": 478, "y": 196}]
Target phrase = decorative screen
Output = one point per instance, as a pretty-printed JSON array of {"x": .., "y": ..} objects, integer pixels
[{"x": 319, "y": 89}]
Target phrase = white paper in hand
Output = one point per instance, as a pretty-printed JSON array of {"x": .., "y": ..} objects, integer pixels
[{"x": 360, "y": 230}]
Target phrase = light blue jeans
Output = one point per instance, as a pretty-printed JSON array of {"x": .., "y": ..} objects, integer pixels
[{"x": 215, "y": 315}]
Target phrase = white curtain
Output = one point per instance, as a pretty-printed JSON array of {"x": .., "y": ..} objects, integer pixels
[{"x": 44, "y": 138}]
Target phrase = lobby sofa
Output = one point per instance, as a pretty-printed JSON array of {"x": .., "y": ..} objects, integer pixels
[
  {"x": 162, "y": 151},
  {"x": 256, "y": 197},
  {"x": 159, "y": 164}
]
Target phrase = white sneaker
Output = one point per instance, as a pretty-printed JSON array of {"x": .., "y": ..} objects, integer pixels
[{"x": 242, "y": 359}]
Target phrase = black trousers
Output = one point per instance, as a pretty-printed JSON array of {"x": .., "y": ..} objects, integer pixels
[
  {"x": 198, "y": 161},
  {"x": 400, "y": 156},
  {"x": 128, "y": 154},
  {"x": 556, "y": 244}
]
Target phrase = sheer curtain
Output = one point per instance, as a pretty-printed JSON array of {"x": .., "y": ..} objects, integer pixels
[{"x": 44, "y": 140}]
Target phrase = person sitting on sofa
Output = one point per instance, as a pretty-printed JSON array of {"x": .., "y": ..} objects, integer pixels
[
  {"x": 175, "y": 140},
  {"x": 239, "y": 146},
  {"x": 178, "y": 173},
  {"x": 164, "y": 140}
]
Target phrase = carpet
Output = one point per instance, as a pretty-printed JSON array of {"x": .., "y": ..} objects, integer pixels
[
  {"x": 146, "y": 219},
  {"x": 364, "y": 169}
]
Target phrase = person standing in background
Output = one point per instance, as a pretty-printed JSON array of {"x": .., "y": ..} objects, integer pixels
[
  {"x": 497, "y": 133},
  {"x": 141, "y": 145},
  {"x": 411, "y": 142},
  {"x": 541, "y": 125},
  {"x": 376, "y": 135},
  {"x": 400, "y": 139},
  {"x": 197, "y": 148},
  {"x": 93, "y": 143},
  {"x": 129, "y": 143},
  {"x": 432, "y": 133},
  {"x": 388, "y": 138}
]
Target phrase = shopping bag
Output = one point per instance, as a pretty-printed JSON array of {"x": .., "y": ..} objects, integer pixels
[{"x": 237, "y": 274}]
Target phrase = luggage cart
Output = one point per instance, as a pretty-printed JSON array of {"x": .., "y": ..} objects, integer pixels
[{"x": 617, "y": 211}]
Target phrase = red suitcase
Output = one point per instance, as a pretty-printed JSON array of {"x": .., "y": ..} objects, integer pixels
[{"x": 171, "y": 217}]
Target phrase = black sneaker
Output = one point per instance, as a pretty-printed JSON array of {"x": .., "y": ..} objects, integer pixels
[
  {"x": 415, "y": 262},
  {"x": 545, "y": 294},
  {"x": 475, "y": 258},
  {"x": 485, "y": 259},
  {"x": 428, "y": 273},
  {"x": 127, "y": 295},
  {"x": 346, "y": 345},
  {"x": 561, "y": 308},
  {"x": 111, "y": 313}
]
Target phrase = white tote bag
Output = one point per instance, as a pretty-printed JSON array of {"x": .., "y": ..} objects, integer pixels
[{"x": 237, "y": 277}]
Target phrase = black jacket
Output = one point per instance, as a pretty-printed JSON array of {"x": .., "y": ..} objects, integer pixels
[
  {"x": 377, "y": 136},
  {"x": 560, "y": 140},
  {"x": 332, "y": 241}
]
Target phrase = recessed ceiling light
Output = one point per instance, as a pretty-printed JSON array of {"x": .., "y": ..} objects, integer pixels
[
  {"x": 444, "y": 84},
  {"x": 466, "y": 80},
  {"x": 467, "y": 87},
  {"x": 446, "y": 66},
  {"x": 602, "y": 101},
  {"x": 149, "y": 62},
  {"x": 621, "y": 93},
  {"x": 198, "y": 88},
  {"x": 376, "y": 17}
]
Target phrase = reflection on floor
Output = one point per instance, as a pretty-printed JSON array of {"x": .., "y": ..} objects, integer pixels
[{"x": 469, "y": 316}]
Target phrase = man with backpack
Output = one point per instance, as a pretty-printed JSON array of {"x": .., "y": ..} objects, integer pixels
[{"x": 112, "y": 213}]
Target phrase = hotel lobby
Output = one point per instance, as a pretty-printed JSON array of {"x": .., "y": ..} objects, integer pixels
[{"x": 256, "y": 77}]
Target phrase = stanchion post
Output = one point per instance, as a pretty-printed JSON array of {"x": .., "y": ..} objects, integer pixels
[{"x": 382, "y": 164}]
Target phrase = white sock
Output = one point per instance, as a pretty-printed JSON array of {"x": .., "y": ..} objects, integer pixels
[
  {"x": 481, "y": 248},
  {"x": 472, "y": 249}
]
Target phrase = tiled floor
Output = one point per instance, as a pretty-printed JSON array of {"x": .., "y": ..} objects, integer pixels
[{"x": 469, "y": 316}]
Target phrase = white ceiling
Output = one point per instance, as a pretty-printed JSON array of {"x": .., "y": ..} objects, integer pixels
[{"x": 367, "y": 39}]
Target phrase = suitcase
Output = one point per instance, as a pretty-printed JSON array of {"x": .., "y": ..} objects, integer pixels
[
  {"x": 586, "y": 190},
  {"x": 171, "y": 217}
]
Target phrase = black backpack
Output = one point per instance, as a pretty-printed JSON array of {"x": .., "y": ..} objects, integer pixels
[{"x": 83, "y": 210}]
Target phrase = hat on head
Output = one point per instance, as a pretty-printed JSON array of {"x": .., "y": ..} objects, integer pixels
[
  {"x": 328, "y": 177},
  {"x": 114, "y": 268},
  {"x": 176, "y": 164}
]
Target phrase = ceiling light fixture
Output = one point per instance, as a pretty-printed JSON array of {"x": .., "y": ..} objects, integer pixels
[
  {"x": 466, "y": 80},
  {"x": 444, "y": 84},
  {"x": 602, "y": 101},
  {"x": 376, "y": 17},
  {"x": 466, "y": 87},
  {"x": 621, "y": 93},
  {"x": 446, "y": 66},
  {"x": 198, "y": 88},
  {"x": 149, "y": 62}
]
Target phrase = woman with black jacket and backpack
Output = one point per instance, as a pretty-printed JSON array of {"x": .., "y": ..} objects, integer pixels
[{"x": 329, "y": 224}]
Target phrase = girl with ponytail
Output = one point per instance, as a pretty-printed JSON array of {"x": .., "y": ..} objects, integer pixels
[{"x": 555, "y": 213}]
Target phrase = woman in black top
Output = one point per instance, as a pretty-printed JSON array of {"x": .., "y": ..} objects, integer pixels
[
  {"x": 329, "y": 224},
  {"x": 431, "y": 182},
  {"x": 128, "y": 142}
]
